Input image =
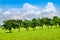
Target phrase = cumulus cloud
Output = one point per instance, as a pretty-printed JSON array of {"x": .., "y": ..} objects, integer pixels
[
  {"x": 50, "y": 9},
  {"x": 6, "y": 12},
  {"x": 24, "y": 12},
  {"x": 16, "y": 17},
  {"x": 29, "y": 11}
]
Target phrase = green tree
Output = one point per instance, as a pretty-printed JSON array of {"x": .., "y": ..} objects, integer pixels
[
  {"x": 43, "y": 22},
  {"x": 19, "y": 22},
  {"x": 26, "y": 24},
  {"x": 34, "y": 23},
  {"x": 56, "y": 21},
  {"x": 9, "y": 24},
  {"x": 59, "y": 22},
  {"x": 39, "y": 22},
  {"x": 47, "y": 22},
  {"x": 51, "y": 23}
]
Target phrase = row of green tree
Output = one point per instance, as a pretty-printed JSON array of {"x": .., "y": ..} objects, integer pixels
[{"x": 17, "y": 24}]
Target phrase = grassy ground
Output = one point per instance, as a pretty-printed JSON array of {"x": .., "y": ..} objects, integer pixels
[{"x": 38, "y": 34}]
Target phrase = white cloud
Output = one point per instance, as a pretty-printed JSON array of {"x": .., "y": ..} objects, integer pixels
[
  {"x": 16, "y": 17},
  {"x": 15, "y": 10},
  {"x": 28, "y": 18},
  {"x": 51, "y": 10},
  {"x": 50, "y": 7},
  {"x": 28, "y": 6},
  {"x": 30, "y": 9},
  {"x": 34, "y": 11},
  {"x": 6, "y": 12}
]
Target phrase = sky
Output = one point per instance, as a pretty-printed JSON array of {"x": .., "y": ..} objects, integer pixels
[
  {"x": 18, "y": 3},
  {"x": 28, "y": 9}
]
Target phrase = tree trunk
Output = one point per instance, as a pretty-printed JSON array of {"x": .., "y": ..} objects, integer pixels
[
  {"x": 56, "y": 25},
  {"x": 42, "y": 26},
  {"x": 10, "y": 30},
  {"x": 19, "y": 29},
  {"x": 48, "y": 26},
  {"x": 27, "y": 28},
  {"x": 34, "y": 28}
]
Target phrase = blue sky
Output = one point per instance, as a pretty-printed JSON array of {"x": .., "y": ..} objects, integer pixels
[
  {"x": 28, "y": 9},
  {"x": 19, "y": 3}
]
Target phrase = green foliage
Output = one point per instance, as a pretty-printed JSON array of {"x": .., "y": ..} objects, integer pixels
[
  {"x": 26, "y": 24},
  {"x": 9, "y": 24},
  {"x": 33, "y": 23},
  {"x": 19, "y": 22}
]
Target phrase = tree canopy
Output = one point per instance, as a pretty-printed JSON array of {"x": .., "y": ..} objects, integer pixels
[{"x": 9, "y": 24}]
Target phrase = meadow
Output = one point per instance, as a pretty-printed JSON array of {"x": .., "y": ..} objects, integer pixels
[{"x": 38, "y": 34}]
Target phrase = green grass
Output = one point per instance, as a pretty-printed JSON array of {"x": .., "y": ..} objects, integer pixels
[{"x": 38, "y": 34}]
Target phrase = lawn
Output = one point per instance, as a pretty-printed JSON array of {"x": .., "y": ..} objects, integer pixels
[{"x": 38, "y": 34}]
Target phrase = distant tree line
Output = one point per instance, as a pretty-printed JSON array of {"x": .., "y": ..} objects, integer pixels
[{"x": 17, "y": 24}]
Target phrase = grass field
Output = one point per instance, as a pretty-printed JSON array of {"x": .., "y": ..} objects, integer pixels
[{"x": 38, "y": 34}]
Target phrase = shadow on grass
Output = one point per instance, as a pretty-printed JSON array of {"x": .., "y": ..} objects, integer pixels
[{"x": 8, "y": 32}]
